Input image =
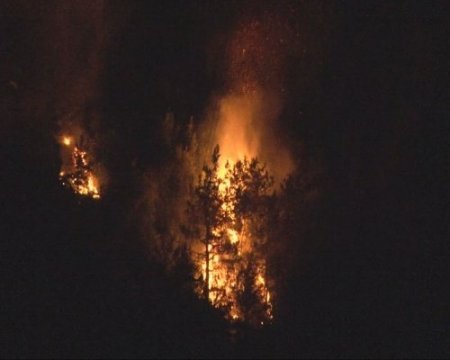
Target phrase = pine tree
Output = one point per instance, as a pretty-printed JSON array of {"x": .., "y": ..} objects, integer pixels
[
  {"x": 230, "y": 218},
  {"x": 207, "y": 215},
  {"x": 250, "y": 192}
]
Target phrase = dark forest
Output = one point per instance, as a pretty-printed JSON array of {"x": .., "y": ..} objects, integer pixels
[{"x": 225, "y": 179}]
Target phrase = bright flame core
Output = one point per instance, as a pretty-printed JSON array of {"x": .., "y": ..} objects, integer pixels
[
  {"x": 238, "y": 135},
  {"x": 67, "y": 140},
  {"x": 236, "y": 267}
]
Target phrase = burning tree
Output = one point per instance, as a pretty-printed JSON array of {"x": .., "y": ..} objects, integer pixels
[
  {"x": 208, "y": 215},
  {"x": 229, "y": 214},
  {"x": 78, "y": 174},
  {"x": 250, "y": 194}
]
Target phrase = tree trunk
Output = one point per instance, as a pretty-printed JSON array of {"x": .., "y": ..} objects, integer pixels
[{"x": 206, "y": 286}]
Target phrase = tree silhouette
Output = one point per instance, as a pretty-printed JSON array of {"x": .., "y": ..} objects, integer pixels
[
  {"x": 230, "y": 216},
  {"x": 252, "y": 196},
  {"x": 207, "y": 215}
]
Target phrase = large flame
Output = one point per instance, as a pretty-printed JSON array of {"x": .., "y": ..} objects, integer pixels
[
  {"x": 245, "y": 129},
  {"x": 238, "y": 137},
  {"x": 237, "y": 133},
  {"x": 230, "y": 256},
  {"x": 228, "y": 263}
]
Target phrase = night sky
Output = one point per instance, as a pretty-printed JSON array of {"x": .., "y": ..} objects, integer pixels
[{"x": 364, "y": 115}]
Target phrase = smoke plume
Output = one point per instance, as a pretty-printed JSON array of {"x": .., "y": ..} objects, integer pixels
[{"x": 247, "y": 114}]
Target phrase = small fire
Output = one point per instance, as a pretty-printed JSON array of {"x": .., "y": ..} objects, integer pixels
[
  {"x": 79, "y": 175},
  {"x": 67, "y": 140}
]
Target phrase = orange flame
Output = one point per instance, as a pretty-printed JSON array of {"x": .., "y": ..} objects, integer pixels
[
  {"x": 245, "y": 130},
  {"x": 226, "y": 268},
  {"x": 67, "y": 140},
  {"x": 78, "y": 175}
]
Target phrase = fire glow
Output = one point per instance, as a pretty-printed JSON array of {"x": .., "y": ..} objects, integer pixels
[
  {"x": 79, "y": 175},
  {"x": 231, "y": 255},
  {"x": 232, "y": 265}
]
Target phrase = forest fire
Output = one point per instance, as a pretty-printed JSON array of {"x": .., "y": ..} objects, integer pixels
[
  {"x": 234, "y": 198},
  {"x": 234, "y": 213},
  {"x": 228, "y": 227},
  {"x": 78, "y": 173}
]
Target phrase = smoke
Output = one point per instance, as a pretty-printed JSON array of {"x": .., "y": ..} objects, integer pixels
[
  {"x": 246, "y": 128},
  {"x": 79, "y": 36},
  {"x": 247, "y": 115},
  {"x": 244, "y": 119}
]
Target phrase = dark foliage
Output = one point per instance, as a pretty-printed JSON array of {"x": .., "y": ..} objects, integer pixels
[{"x": 368, "y": 273}]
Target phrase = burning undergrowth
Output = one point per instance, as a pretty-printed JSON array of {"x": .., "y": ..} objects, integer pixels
[
  {"x": 81, "y": 33},
  {"x": 229, "y": 226},
  {"x": 217, "y": 218},
  {"x": 80, "y": 170},
  {"x": 233, "y": 206},
  {"x": 219, "y": 212}
]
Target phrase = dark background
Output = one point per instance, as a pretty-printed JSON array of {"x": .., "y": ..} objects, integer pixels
[{"x": 368, "y": 100}]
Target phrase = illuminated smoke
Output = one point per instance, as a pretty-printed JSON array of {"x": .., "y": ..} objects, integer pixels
[
  {"x": 244, "y": 123},
  {"x": 248, "y": 113}
]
